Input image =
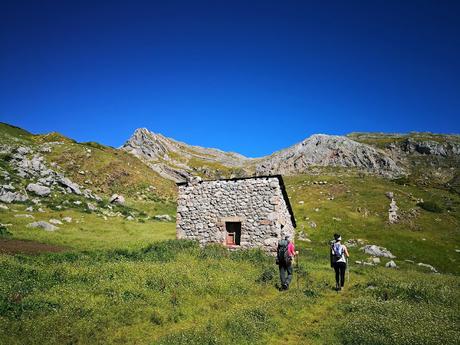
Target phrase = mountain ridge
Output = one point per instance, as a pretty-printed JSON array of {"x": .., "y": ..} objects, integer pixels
[{"x": 376, "y": 153}]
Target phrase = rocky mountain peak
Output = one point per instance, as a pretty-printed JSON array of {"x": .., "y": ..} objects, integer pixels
[{"x": 329, "y": 150}]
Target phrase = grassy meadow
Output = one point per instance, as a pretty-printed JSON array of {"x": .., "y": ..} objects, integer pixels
[
  {"x": 105, "y": 279},
  {"x": 130, "y": 282}
]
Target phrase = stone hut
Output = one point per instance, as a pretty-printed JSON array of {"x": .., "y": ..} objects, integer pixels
[{"x": 238, "y": 213}]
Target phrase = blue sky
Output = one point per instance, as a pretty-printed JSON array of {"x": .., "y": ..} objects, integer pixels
[{"x": 245, "y": 76}]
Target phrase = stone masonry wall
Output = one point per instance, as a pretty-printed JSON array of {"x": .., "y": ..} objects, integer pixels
[{"x": 258, "y": 203}]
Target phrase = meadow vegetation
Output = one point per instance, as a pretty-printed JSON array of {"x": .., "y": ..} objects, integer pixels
[{"x": 120, "y": 281}]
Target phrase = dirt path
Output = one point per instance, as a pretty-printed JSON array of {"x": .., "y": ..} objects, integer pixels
[{"x": 8, "y": 246}]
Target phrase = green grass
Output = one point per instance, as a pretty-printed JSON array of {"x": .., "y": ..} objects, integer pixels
[
  {"x": 88, "y": 231},
  {"x": 174, "y": 293},
  {"x": 130, "y": 282},
  {"x": 360, "y": 209}
]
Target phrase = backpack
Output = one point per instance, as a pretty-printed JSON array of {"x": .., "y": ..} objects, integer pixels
[
  {"x": 282, "y": 255},
  {"x": 336, "y": 252}
]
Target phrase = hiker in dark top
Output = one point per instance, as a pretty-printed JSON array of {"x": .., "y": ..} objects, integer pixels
[
  {"x": 339, "y": 256},
  {"x": 285, "y": 254}
]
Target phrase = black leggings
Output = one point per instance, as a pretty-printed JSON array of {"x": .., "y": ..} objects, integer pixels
[{"x": 340, "y": 268}]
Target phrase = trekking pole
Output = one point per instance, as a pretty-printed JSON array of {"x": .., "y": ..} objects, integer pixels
[
  {"x": 348, "y": 273},
  {"x": 298, "y": 269}
]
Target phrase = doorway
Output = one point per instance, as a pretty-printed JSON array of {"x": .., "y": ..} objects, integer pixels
[{"x": 233, "y": 233}]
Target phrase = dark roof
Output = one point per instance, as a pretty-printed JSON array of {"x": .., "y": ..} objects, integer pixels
[{"x": 280, "y": 180}]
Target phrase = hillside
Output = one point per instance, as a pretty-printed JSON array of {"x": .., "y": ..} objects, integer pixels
[
  {"x": 112, "y": 273},
  {"x": 421, "y": 158}
]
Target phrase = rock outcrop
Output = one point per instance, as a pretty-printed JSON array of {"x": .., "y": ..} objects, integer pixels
[
  {"x": 430, "y": 147},
  {"x": 38, "y": 189},
  {"x": 377, "y": 251},
  {"x": 328, "y": 150},
  {"x": 170, "y": 158}
]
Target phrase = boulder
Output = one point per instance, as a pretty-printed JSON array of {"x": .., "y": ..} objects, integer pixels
[
  {"x": 377, "y": 251},
  {"x": 43, "y": 225},
  {"x": 376, "y": 260},
  {"x": 38, "y": 189},
  {"x": 23, "y": 216},
  {"x": 91, "y": 206},
  {"x": 428, "y": 266},
  {"x": 67, "y": 219},
  {"x": 9, "y": 197},
  {"x": 391, "y": 264},
  {"x": 117, "y": 199},
  {"x": 69, "y": 185},
  {"x": 55, "y": 221},
  {"x": 163, "y": 217}
]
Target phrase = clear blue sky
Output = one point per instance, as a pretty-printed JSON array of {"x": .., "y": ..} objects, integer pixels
[{"x": 246, "y": 76}]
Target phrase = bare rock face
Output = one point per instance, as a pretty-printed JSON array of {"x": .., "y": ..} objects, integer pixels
[
  {"x": 160, "y": 152},
  {"x": 170, "y": 158},
  {"x": 328, "y": 150},
  {"x": 430, "y": 147}
]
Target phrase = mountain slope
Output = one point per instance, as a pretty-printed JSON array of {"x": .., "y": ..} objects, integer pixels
[
  {"x": 178, "y": 161},
  {"x": 101, "y": 169},
  {"x": 329, "y": 150}
]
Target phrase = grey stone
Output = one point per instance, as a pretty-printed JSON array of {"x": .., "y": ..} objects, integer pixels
[
  {"x": 167, "y": 218},
  {"x": 434, "y": 270},
  {"x": 91, "y": 206},
  {"x": 23, "y": 216},
  {"x": 391, "y": 264},
  {"x": 38, "y": 189},
  {"x": 43, "y": 225},
  {"x": 55, "y": 221},
  {"x": 117, "y": 199},
  {"x": 377, "y": 251},
  {"x": 393, "y": 216},
  {"x": 9, "y": 197},
  {"x": 67, "y": 219},
  {"x": 69, "y": 185}
]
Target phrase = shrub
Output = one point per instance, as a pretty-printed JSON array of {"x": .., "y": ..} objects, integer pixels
[
  {"x": 4, "y": 232},
  {"x": 156, "y": 318},
  {"x": 430, "y": 206}
]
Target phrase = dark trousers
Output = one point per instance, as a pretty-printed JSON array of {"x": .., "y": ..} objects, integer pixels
[
  {"x": 340, "y": 268},
  {"x": 285, "y": 269}
]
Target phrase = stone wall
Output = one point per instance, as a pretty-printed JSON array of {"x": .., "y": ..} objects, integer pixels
[{"x": 204, "y": 207}]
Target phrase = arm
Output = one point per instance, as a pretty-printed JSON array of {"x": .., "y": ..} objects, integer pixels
[{"x": 346, "y": 251}]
